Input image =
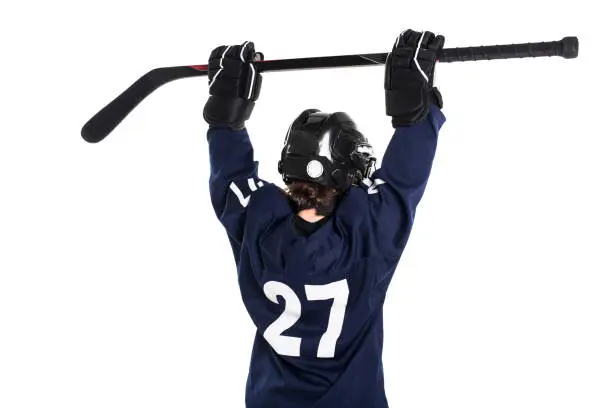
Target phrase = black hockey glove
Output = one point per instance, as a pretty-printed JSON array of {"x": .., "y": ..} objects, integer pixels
[
  {"x": 234, "y": 85},
  {"x": 409, "y": 89}
]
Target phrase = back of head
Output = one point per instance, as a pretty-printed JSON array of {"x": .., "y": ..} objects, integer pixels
[
  {"x": 323, "y": 156},
  {"x": 305, "y": 195}
]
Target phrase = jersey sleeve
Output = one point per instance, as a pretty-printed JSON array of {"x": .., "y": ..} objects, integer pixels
[
  {"x": 395, "y": 189},
  {"x": 233, "y": 179}
]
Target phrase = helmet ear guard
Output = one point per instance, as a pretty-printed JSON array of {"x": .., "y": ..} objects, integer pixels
[{"x": 311, "y": 169}]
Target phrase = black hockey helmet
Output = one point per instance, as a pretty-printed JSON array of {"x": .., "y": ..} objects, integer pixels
[{"x": 325, "y": 149}]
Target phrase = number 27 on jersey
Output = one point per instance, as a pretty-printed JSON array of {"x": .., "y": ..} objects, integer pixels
[{"x": 290, "y": 346}]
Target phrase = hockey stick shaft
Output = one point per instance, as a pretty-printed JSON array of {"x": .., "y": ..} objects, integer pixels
[{"x": 102, "y": 123}]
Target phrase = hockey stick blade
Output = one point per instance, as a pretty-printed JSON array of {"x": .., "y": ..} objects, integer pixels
[{"x": 102, "y": 123}]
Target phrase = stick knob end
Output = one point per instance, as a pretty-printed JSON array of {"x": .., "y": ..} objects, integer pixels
[{"x": 569, "y": 47}]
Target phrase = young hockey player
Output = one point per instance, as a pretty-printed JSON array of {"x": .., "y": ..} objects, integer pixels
[{"x": 315, "y": 260}]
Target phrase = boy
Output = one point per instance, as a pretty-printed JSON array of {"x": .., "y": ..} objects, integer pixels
[{"x": 315, "y": 260}]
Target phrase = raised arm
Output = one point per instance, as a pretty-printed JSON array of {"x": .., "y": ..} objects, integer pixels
[
  {"x": 234, "y": 86},
  {"x": 409, "y": 156},
  {"x": 233, "y": 177},
  {"x": 414, "y": 104}
]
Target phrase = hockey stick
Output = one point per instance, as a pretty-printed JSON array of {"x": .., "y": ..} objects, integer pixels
[{"x": 103, "y": 122}]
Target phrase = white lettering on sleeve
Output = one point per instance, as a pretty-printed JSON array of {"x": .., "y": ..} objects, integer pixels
[{"x": 372, "y": 185}]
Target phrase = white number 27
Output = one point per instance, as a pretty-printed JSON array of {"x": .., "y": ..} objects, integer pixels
[{"x": 290, "y": 346}]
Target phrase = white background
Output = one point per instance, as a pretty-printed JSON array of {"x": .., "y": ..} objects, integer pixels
[{"x": 117, "y": 284}]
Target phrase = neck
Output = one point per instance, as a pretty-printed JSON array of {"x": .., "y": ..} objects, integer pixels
[{"x": 310, "y": 215}]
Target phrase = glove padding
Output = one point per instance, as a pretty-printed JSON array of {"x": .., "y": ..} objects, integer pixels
[
  {"x": 234, "y": 85},
  {"x": 409, "y": 89}
]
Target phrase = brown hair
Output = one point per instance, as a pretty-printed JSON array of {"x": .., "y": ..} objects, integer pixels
[{"x": 304, "y": 195}]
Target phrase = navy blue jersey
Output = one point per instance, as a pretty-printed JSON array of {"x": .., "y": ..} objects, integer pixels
[{"x": 317, "y": 299}]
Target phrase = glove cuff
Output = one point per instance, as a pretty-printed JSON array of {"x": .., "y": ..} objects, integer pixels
[
  {"x": 227, "y": 111},
  {"x": 407, "y": 106},
  {"x": 436, "y": 98}
]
